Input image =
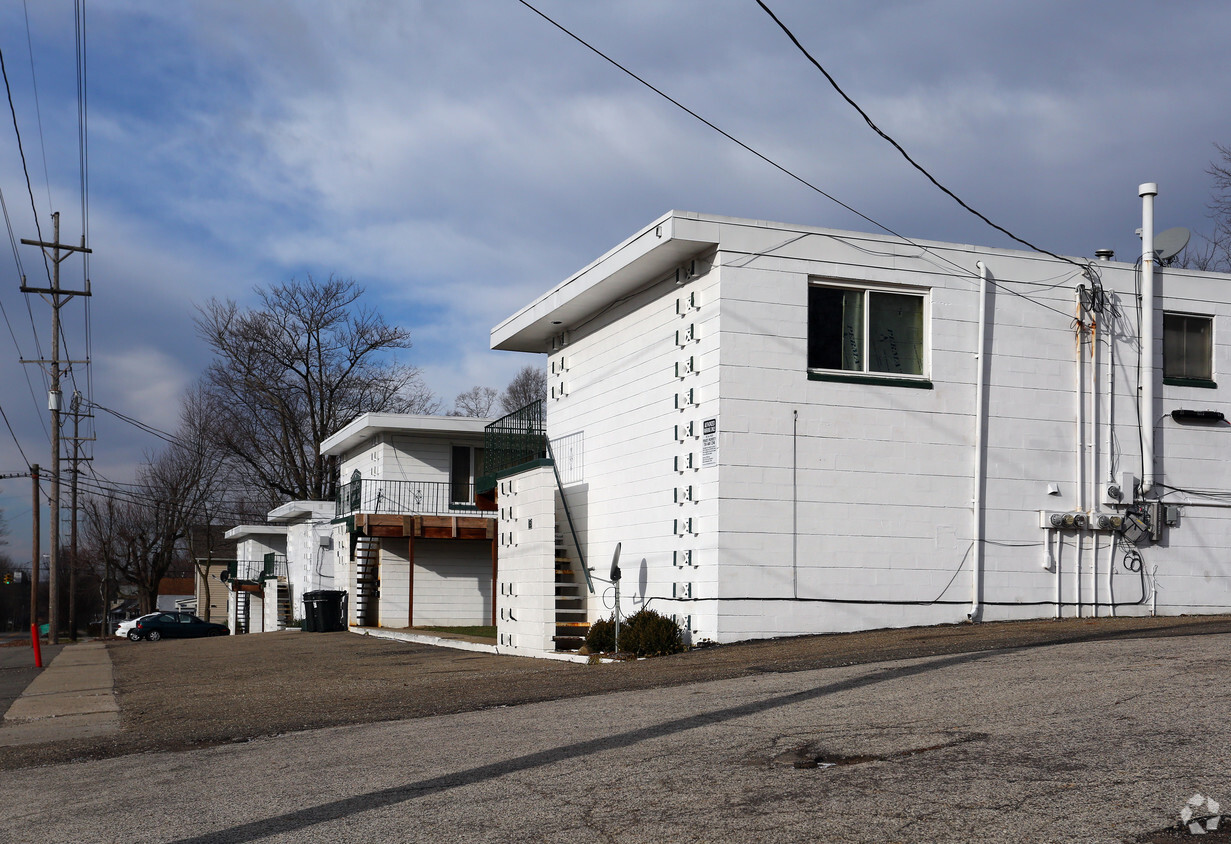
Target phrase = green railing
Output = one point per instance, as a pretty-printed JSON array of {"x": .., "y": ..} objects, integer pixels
[
  {"x": 417, "y": 498},
  {"x": 272, "y": 565},
  {"x": 518, "y": 439}
]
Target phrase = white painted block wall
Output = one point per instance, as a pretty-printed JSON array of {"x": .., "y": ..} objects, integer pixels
[
  {"x": 525, "y": 602},
  {"x": 639, "y": 385},
  {"x": 840, "y": 506}
]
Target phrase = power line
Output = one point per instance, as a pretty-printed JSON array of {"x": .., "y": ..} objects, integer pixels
[
  {"x": 37, "y": 109},
  {"x": 965, "y": 271},
  {"x": 14, "y": 436},
  {"x": 898, "y": 146},
  {"x": 25, "y": 169}
]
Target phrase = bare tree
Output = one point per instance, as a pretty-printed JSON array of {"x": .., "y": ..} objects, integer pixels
[
  {"x": 477, "y": 401},
  {"x": 1213, "y": 251},
  {"x": 528, "y": 385},
  {"x": 294, "y": 370}
]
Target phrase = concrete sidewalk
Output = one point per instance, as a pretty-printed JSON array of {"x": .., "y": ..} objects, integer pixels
[{"x": 74, "y": 697}]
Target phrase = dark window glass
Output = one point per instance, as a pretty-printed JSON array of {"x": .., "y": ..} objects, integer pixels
[
  {"x": 865, "y": 331},
  {"x": 1188, "y": 347}
]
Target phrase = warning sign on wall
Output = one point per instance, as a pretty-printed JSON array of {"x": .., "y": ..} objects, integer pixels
[{"x": 709, "y": 443}]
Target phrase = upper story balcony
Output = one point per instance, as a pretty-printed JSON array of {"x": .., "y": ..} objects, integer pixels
[{"x": 407, "y": 498}]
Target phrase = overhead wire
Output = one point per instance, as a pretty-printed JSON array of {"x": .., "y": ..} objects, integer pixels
[
  {"x": 965, "y": 271},
  {"x": 37, "y": 109},
  {"x": 833, "y": 82}
]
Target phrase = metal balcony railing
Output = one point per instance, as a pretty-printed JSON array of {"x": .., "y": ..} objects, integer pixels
[
  {"x": 515, "y": 440},
  {"x": 417, "y": 498},
  {"x": 272, "y": 565}
]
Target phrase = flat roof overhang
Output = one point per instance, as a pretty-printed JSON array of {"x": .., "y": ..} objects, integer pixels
[
  {"x": 651, "y": 253},
  {"x": 368, "y": 425}
]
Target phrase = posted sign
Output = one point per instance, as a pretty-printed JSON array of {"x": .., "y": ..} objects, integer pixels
[{"x": 709, "y": 443}]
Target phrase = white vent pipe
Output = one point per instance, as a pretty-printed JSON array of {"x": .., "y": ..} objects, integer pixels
[{"x": 1147, "y": 192}]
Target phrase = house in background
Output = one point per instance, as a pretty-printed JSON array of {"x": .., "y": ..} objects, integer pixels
[
  {"x": 259, "y": 598},
  {"x": 309, "y": 549},
  {"x": 212, "y": 555},
  {"x": 792, "y": 430},
  {"x": 410, "y": 545}
]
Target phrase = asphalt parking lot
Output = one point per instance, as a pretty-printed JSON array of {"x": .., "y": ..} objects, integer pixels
[{"x": 1070, "y": 731}]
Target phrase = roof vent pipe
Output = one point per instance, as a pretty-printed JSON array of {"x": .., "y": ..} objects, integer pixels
[
  {"x": 1147, "y": 192},
  {"x": 1104, "y": 254}
]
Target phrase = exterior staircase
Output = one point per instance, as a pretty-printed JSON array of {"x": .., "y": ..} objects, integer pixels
[
  {"x": 241, "y": 612},
  {"x": 285, "y": 616},
  {"x": 571, "y": 624},
  {"x": 367, "y": 582}
]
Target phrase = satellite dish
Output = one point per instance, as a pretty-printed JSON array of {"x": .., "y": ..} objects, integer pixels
[
  {"x": 615, "y": 565},
  {"x": 224, "y": 575},
  {"x": 1170, "y": 243}
]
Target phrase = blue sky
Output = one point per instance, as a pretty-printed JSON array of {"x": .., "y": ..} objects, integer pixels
[{"x": 459, "y": 158}]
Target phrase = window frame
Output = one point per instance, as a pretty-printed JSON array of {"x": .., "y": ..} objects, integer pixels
[
  {"x": 1185, "y": 379},
  {"x": 867, "y": 375}
]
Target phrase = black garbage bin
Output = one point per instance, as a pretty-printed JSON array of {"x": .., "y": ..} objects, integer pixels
[
  {"x": 312, "y": 611},
  {"x": 332, "y": 608}
]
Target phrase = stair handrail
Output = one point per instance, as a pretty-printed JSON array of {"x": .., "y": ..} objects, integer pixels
[{"x": 568, "y": 516}]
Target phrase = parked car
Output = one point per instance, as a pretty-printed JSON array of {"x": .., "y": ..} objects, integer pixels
[
  {"x": 175, "y": 625},
  {"x": 126, "y": 630}
]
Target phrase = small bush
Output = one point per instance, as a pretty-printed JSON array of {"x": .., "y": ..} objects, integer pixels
[
  {"x": 645, "y": 633},
  {"x": 601, "y": 638}
]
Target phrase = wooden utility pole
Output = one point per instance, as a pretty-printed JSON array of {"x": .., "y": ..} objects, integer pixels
[
  {"x": 76, "y": 459},
  {"x": 58, "y": 298}
]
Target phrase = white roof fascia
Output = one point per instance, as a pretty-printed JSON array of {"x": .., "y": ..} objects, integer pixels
[
  {"x": 242, "y": 531},
  {"x": 292, "y": 510},
  {"x": 368, "y": 425},
  {"x": 652, "y": 252}
]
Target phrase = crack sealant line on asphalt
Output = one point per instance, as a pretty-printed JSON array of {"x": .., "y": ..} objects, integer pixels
[
  {"x": 73, "y": 697},
  {"x": 338, "y": 809}
]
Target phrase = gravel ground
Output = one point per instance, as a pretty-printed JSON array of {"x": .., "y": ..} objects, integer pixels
[{"x": 178, "y": 695}]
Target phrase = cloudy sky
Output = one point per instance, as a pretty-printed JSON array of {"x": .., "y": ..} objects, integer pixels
[{"x": 459, "y": 158}]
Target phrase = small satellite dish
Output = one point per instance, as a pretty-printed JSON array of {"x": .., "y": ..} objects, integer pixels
[
  {"x": 224, "y": 575},
  {"x": 615, "y": 565},
  {"x": 1170, "y": 243}
]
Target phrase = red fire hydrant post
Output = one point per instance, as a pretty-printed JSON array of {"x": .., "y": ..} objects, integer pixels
[{"x": 38, "y": 654}]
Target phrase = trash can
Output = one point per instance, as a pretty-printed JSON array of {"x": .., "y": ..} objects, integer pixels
[
  {"x": 332, "y": 609},
  {"x": 312, "y": 611}
]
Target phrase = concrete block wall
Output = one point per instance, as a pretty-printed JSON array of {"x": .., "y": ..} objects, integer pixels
[
  {"x": 453, "y": 582},
  {"x": 525, "y": 599},
  {"x": 634, "y": 390},
  {"x": 394, "y": 609},
  {"x": 269, "y": 603},
  {"x": 840, "y": 505}
]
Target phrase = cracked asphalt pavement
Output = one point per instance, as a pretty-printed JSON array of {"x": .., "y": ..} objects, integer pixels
[{"x": 1038, "y": 731}]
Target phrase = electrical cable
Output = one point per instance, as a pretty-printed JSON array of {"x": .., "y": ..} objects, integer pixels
[
  {"x": 962, "y": 270},
  {"x": 14, "y": 436},
  {"x": 899, "y": 147},
  {"x": 38, "y": 111},
  {"x": 25, "y": 169}
]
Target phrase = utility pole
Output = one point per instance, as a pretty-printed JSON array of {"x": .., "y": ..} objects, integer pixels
[
  {"x": 76, "y": 459},
  {"x": 58, "y": 298},
  {"x": 34, "y": 555}
]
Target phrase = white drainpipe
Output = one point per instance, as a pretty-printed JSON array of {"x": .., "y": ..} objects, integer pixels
[
  {"x": 976, "y": 574},
  {"x": 1147, "y": 192},
  {"x": 1079, "y": 448}
]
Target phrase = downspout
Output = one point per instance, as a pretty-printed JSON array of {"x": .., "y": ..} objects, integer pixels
[
  {"x": 980, "y": 469},
  {"x": 1093, "y": 501},
  {"x": 1147, "y": 192},
  {"x": 1079, "y": 448}
]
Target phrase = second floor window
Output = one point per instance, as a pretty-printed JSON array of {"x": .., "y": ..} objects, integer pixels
[
  {"x": 1188, "y": 349},
  {"x": 865, "y": 331}
]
